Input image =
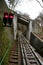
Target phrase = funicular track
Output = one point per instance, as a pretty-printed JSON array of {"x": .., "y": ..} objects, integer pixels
[{"x": 28, "y": 55}]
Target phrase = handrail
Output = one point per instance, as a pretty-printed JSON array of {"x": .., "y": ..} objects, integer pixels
[{"x": 37, "y": 36}]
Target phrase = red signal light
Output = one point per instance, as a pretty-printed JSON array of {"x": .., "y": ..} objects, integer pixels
[
  {"x": 11, "y": 16},
  {"x": 6, "y": 16}
]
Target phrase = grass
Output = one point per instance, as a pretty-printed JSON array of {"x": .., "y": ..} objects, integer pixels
[
  {"x": 4, "y": 44},
  {"x": 3, "y": 40},
  {"x": 1, "y": 32}
]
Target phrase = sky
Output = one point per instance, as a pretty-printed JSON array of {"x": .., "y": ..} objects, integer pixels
[{"x": 30, "y": 7}]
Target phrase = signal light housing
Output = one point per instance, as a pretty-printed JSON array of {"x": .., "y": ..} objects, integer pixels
[
  {"x": 8, "y": 18},
  {"x": 5, "y": 18},
  {"x": 6, "y": 15},
  {"x": 11, "y": 15}
]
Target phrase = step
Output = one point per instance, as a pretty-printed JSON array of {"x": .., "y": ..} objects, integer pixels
[
  {"x": 14, "y": 51},
  {"x": 14, "y": 54},
  {"x": 12, "y": 64},
  {"x": 13, "y": 61},
  {"x": 14, "y": 57}
]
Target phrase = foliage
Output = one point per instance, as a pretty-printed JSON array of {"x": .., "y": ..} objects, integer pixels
[{"x": 1, "y": 27}]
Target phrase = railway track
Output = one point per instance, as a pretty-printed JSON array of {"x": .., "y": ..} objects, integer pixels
[
  {"x": 28, "y": 55},
  {"x": 22, "y": 54}
]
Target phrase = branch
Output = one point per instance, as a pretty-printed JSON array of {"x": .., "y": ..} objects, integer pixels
[
  {"x": 39, "y": 3},
  {"x": 16, "y": 3}
]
